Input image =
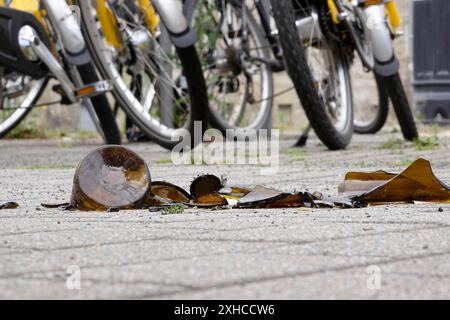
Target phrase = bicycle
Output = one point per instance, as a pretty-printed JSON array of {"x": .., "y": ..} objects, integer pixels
[
  {"x": 239, "y": 36},
  {"x": 330, "y": 32},
  {"x": 37, "y": 47},
  {"x": 237, "y": 63},
  {"x": 147, "y": 50}
]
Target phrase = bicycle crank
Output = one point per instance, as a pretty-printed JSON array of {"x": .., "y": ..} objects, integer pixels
[{"x": 34, "y": 50}]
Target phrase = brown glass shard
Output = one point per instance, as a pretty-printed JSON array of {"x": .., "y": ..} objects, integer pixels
[
  {"x": 64, "y": 205},
  {"x": 205, "y": 191},
  {"x": 114, "y": 178},
  {"x": 211, "y": 200},
  {"x": 234, "y": 193},
  {"x": 164, "y": 193},
  {"x": 8, "y": 205},
  {"x": 337, "y": 202},
  {"x": 204, "y": 185},
  {"x": 416, "y": 183},
  {"x": 262, "y": 197},
  {"x": 111, "y": 177}
]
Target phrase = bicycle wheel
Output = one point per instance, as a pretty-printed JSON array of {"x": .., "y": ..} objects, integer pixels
[
  {"x": 370, "y": 114},
  {"x": 159, "y": 87},
  {"x": 233, "y": 49},
  {"x": 320, "y": 72},
  {"x": 18, "y": 94}
]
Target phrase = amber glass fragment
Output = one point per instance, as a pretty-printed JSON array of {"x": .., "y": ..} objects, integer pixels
[
  {"x": 164, "y": 193},
  {"x": 205, "y": 185},
  {"x": 416, "y": 183},
  {"x": 262, "y": 197},
  {"x": 111, "y": 177},
  {"x": 205, "y": 191},
  {"x": 211, "y": 200},
  {"x": 8, "y": 205},
  {"x": 234, "y": 193}
]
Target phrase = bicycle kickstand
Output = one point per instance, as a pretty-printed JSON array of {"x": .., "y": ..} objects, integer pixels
[{"x": 303, "y": 138}]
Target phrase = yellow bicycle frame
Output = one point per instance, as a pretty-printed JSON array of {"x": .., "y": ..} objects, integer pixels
[
  {"x": 150, "y": 15},
  {"x": 391, "y": 10},
  {"x": 394, "y": 16},
  {"x": 32, "y": 6},
  {"x": 105, "y": 15},
  {"x": 109, "y": 23}
]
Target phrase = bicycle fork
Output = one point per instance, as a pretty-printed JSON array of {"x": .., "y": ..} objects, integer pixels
[{"x": 377, "y": 13}]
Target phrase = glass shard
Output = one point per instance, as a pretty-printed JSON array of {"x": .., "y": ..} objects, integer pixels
[
  {"x": 8, "y": 205},
  {"x": 164, "y": 193},
  {"x": 416, "y": 183},
  {"x": 111, "y": 177},
  {"x": 262, "y": 197}
]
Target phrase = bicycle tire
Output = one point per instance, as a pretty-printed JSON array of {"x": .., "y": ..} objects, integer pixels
[
  {"x": 405, "y": 117},
  {"x": 298, "y": 69}
]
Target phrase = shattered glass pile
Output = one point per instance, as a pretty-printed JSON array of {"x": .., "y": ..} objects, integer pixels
[{"x": 113, "y": 178}]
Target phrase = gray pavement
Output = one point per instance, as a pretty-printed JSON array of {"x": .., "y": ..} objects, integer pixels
[{"x": 393, "y": 251}]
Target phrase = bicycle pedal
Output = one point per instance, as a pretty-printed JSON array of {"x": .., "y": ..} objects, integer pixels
[{"x": 93, "y": 89}]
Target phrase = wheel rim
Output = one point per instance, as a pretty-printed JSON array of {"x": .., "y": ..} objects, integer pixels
[
  {"x": 239, "y": 87},
  {"x": 154, "y": 82},
  {"x": 329, "y": 72},
  {"x": 16, "y": 104}
]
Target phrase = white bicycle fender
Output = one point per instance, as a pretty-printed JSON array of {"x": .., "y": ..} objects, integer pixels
[
  {"x": 171, "y": 14},
  {"x": 386, "y": 63}
]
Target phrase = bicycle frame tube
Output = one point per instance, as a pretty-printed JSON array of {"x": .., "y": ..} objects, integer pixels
[
  {"x": 333, "y": 11},
  {"x": 394, "y": 16},
  {"x": 150, "y": 15},
  {"x": 109, "y": 25}
]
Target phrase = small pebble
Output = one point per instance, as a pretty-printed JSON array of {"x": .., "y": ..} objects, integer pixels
[{"x": 441, "y": 210}]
